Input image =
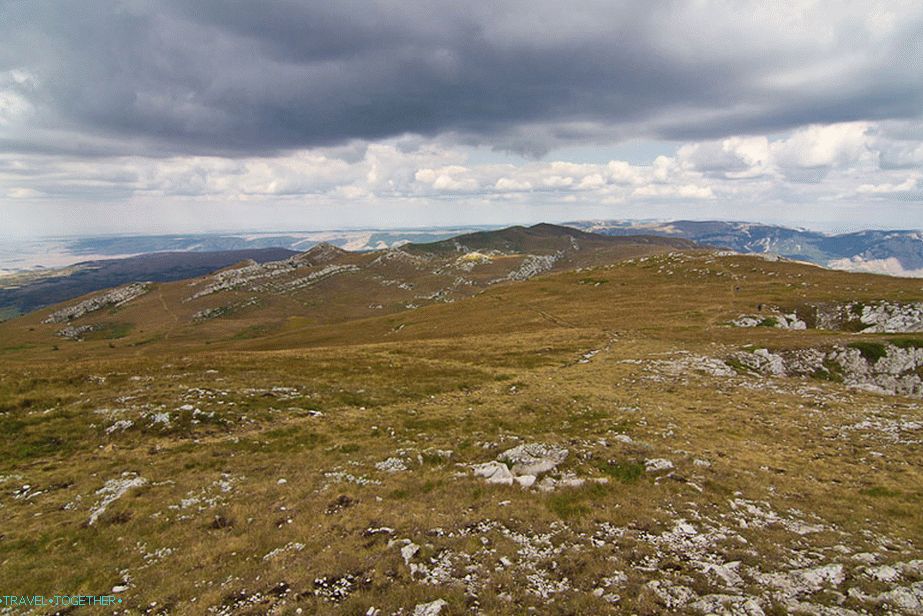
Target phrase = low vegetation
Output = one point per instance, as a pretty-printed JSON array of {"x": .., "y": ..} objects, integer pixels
[{"x": 329, "y": 468}]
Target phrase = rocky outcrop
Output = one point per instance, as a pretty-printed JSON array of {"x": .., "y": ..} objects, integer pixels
[
  {"x": 260, "y": 277},
  {"x": 114, "y": 298},
  {"x": 532, "y": 266},
  {"x": 76, "y": 332},
  {"x": 774, "y": 319},
  {"x": 319, "y": 254},
  {"x": 878, "y": 317},
  {"x": 872, "y": 366},
  {"x": 881, "y": 317},
  {"x": 315, "y": 277},
  {"x": 401, "y": 256},
  {"x": 534, "y": 458},
  {"x": 526, "y": 462}
]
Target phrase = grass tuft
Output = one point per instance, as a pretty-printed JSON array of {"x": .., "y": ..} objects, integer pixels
[{"x": 871, "y": 351}]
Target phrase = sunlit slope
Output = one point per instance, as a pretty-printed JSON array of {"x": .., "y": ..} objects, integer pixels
[{"x": 321, "y": 287}]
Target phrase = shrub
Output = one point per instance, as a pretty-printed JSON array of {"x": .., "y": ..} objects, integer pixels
[{"x": 871, "y": 351}]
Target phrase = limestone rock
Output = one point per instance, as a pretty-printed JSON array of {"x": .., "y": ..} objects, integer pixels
[
  {"x": 657, "y": 465},
  {"x": 494, "y": 472},
  {"x": 433, "y": 608},
  {"x": 534, "y": 458}
]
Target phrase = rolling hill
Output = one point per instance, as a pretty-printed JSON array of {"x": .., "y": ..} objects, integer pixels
[
  {"x": 532, "y": 420},
  {"x": 29, "y": 291},
  {"x": 325, "y": 285}
]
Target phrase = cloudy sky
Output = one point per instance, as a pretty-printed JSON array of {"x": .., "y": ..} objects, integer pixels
[{"x": 175, "y": 116}]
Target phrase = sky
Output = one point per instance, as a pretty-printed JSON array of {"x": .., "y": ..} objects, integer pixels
[{"x": 135, "y": 116}]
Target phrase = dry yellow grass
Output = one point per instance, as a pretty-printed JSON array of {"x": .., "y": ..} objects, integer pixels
[{"x": 213, "y": 529}]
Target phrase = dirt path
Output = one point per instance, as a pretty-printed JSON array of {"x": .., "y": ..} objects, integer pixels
[{"x": 167, "y": 309}]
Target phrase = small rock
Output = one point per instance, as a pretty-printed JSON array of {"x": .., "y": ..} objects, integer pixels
[
  {"x": 570, "y": 481},
  {"x": 656, "y": 465},
  {"x": 409, "y": 551},
  {"x": 883, "y": 573},
  {"x": 433, "y": 608},
  {"x": 494, "y": 472}
]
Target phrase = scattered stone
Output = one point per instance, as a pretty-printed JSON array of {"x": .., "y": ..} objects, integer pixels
[
  {"x": 288, "y": 547},
  {"x": 392, "y": 465},
  {"x": 334, "y": 589},
  {"x": 120, "y": 426},
  {"x": 342, "y": 502}
]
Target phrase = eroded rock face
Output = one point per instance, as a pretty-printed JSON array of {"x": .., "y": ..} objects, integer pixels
[
  {"x": 114, "y": 298},
  {"x": 261, "y": 277},
  {"x": 878, "y": 317},
  {"x": 882, "y": 368},
  {"x": 76, "y": 332},
  {"x": 532, "y": 266},
  {"x": 893, "y": 318},
  {"x": 873, "y": 318}
]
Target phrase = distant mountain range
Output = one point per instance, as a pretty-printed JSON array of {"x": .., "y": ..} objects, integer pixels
[
  {"x": 897, "y": 253},
  {"x": 175, "y": 257}
]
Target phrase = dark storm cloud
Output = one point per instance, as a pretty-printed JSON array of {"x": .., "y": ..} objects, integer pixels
[{"x": 221, "y": 76}]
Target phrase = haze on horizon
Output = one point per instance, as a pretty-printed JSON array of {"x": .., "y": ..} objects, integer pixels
[{"x": 133, "y": 116}]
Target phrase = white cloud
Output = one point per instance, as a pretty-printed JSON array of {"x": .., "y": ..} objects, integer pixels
[
  {"x": 908, "y": 186},
  {"x": 823, "y": 146},
  {"x": 453, "y": 178},
  {"x": 505, "y": 184},
  {"x": 750, "y": 173},
  {"x": 890, "y": 266}
]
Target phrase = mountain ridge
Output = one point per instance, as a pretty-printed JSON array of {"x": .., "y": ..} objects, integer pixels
[{"x": 892, "y": 252}]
